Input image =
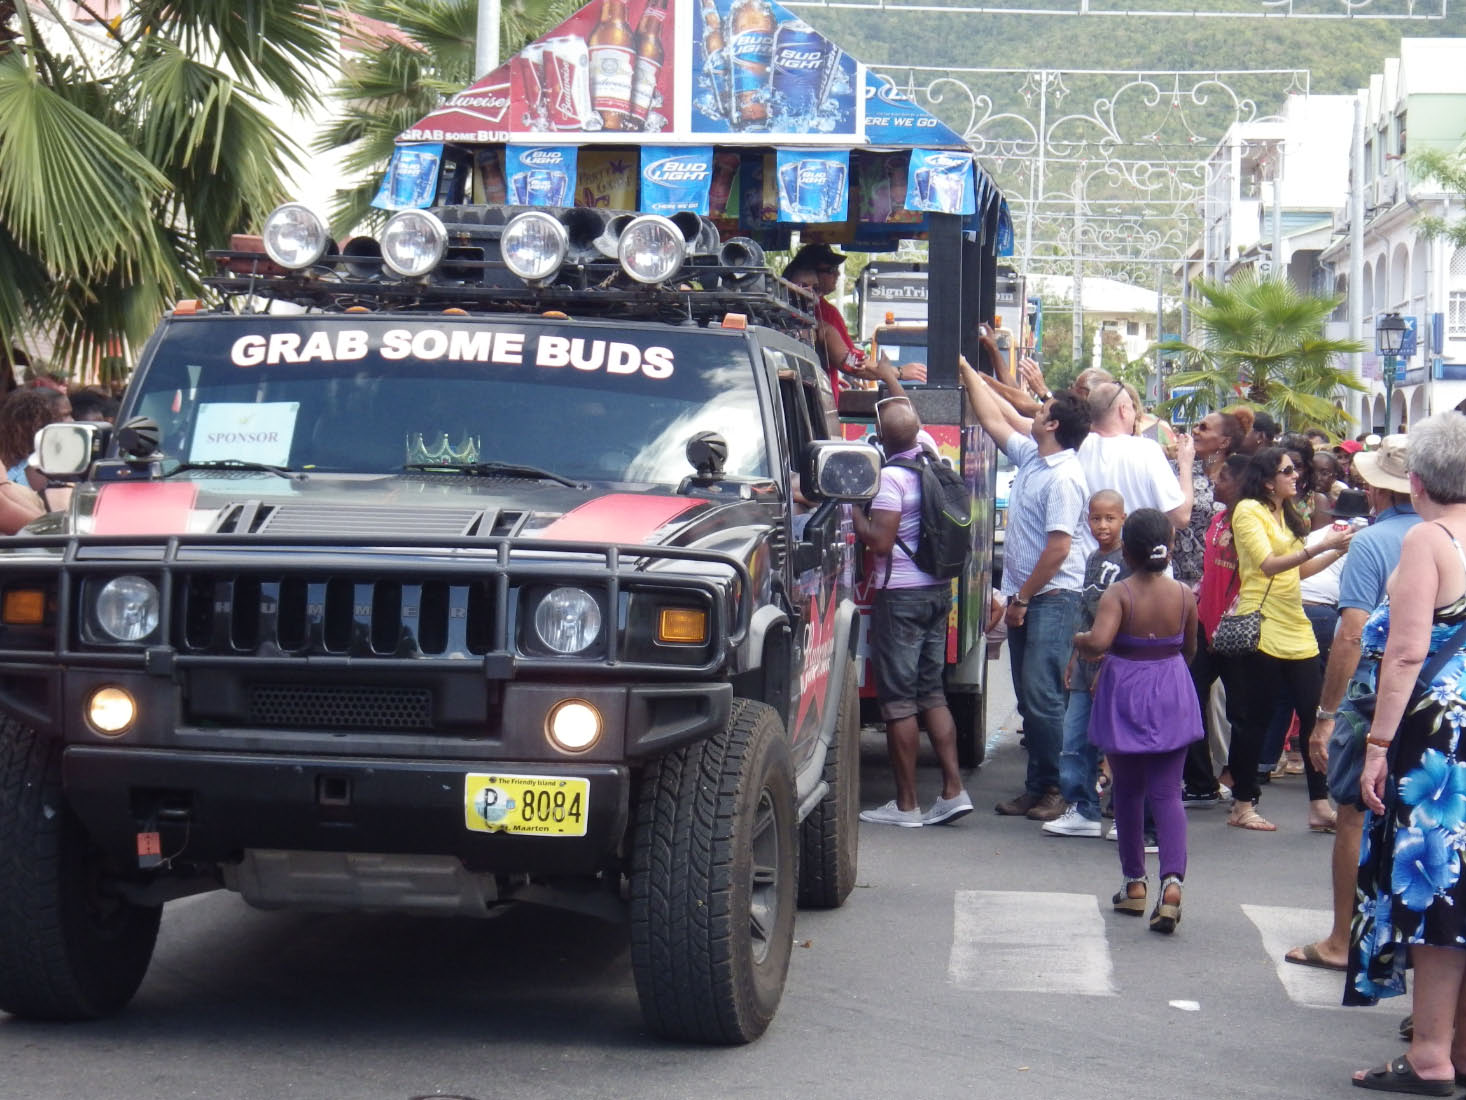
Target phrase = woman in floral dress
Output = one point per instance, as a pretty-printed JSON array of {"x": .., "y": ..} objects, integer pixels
[{"x": 1411, "y": 902}]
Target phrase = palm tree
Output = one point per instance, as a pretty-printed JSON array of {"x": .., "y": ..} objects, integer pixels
[
  {"x": 129, "y": 148},
  {"x": 423, "y": 53},
  {"x": 1262, "y": 340}
]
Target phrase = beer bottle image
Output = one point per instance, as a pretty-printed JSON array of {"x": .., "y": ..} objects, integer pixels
[
  {"x": 751, "y": 52},
  {"x": 715, "y": 57},
  {"x": 649, "y": 58},
  {"x": 612, "y": 63}
]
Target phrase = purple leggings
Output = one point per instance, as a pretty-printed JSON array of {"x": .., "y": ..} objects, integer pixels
[{"x": 1154, "y": 777}]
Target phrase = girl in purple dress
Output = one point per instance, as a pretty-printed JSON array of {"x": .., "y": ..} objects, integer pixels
[{"x": 1145, "y": 711}]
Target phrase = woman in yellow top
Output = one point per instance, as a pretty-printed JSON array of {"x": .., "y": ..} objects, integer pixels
[{"x": 1268, "y": 534}]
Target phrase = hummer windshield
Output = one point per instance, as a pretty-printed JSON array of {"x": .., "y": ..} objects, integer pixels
[{"x": 587, "y": 401}]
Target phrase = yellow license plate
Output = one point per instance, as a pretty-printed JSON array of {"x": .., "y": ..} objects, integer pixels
[{"x": 539, "y": 805}]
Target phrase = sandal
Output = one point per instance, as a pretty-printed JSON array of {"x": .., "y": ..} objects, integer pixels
[
  {"x": 1166, "y": 915},
  {"x": 1400, "y": 1076},
  {"x": 1251, "y": 820},
  {"x": 1125, "y": 903}
]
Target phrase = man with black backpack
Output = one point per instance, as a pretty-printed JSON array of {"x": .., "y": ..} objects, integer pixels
[{"x": 914, "y": 530}]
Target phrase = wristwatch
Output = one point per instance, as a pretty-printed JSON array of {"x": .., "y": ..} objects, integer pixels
[
  {"x": 1322, "y": 714},
  {"x": 1019, "y": 600}
]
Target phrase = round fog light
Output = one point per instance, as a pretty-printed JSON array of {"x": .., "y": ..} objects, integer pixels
[
  {"x": 127, "y": 608},
  {"x": 573, "y": 725},
  {"x": 295, "y": 236},
  {"x": 534, "y": 245},
  {"x": 651, "y": 249},
  {"x": 111, "y": 711},
  {"x": 413, "y": 242}
]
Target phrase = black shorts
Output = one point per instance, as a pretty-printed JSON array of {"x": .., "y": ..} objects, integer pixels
[{"x": 908, "y": 641}]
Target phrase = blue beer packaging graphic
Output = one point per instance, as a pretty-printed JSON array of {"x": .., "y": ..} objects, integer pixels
[
  {"x": 757, "y": 69},
  {"x": 814, "y": 186},
  {"x": 941, "y": 181},
  {"x": 540, "y": 175},
  {"x": 411, "y": 182},
  {"x": 674, "y": 179},
  {"x": 892, "y": 118}
]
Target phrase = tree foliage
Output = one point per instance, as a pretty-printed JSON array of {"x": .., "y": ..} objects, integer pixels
[
  {"x": 1448, "y": 171},
  {"x": 1262, "y": 340},
  {"x": 122, "y": 162}
]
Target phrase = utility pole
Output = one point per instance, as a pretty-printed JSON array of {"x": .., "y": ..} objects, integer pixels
[
  {"x": 486, "y": 45},
  {"x": 1356, "y": 254}
]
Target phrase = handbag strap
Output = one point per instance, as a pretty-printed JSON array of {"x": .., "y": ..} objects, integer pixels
[{"x": 1448, "y": 649}]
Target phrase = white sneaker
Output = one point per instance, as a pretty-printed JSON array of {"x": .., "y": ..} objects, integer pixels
[
  {"x": 1072, "y": 823},
  {"x": 946, "y": 810},
  {"x": 890, "y": 814}
]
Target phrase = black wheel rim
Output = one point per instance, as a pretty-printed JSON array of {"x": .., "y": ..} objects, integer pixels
[{"x": 763, "y": 892}]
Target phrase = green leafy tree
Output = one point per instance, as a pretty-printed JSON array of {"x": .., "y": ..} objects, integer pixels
[
  {"x": 424, "y": 55},
  {"x": 1448, "y": 170},
  {"x": 122, "y": 163},
  {"x": 1262, "y": 340}
]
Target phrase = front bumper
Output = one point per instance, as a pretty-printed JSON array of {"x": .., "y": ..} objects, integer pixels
[{"x": 210, "y": 807}]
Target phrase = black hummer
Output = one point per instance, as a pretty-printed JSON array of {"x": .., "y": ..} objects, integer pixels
[{"x": 439, "y": 590}]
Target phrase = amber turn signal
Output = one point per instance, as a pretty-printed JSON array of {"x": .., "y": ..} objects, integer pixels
[
  {"x": 24, "y": 607},
  {"x": 682, "y": 625}
]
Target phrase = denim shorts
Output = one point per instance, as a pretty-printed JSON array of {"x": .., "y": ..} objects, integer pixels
[{"x": 908, "y": 641}]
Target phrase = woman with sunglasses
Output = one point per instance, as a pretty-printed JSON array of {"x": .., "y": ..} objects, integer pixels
[{"x": 1269, "y": 534}]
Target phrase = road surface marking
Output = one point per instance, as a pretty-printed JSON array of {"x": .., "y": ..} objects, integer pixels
[
  {"x": 1281, "y": 928},
  {"x": 1028, "y": 942}
]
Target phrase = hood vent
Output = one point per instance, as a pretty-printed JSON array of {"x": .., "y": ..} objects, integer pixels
[
  {"x": 366, "y": 521},
  {"x": 243, "y": 519},
  {"x": 492, "y": 524}
]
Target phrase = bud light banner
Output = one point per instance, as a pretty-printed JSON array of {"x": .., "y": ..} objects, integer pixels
[
  {"x": 891, "y": 118},
  {"x": 760, "y": 70},
  {"x": 675, "y": 179},
  {"x": 940, "y": 181},
  {"x": 814, "y": 186},
  {"x": 540, "y": 175},
  {"x": 411, "y": 182}
]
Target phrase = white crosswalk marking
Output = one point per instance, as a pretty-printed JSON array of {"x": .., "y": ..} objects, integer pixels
[
  {"x": 1282, "y": 928},
  {"x": 1023, "y": 942}
]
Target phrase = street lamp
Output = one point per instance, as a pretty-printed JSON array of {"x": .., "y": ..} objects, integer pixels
[{"x": 1389, "y": 338}]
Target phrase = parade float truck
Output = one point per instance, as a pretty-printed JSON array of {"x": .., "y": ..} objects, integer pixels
[{"x": 499, "y": 555}]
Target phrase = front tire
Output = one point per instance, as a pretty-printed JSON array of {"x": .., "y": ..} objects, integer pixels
[
  {"x": 70, "y": 948},
  {"x": 830, "y": 835},
  {"x": 713, "y": 881}
]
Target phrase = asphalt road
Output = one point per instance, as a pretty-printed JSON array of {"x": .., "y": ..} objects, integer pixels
[{"x": 976, "y": 960}]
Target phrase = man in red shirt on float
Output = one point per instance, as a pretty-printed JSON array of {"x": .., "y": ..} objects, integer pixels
[{"x": 817, "y": 267}]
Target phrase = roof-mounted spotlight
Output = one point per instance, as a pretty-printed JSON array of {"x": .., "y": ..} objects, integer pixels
[
  {"x": 413, "y": 242},
  {"x": 534, "y": 245},
  {"x": 651, "y": 249},
  {"x": 295, "y": 236}
]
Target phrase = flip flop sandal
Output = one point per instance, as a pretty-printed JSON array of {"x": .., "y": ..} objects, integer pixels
[
  {"x": 1400, "y": 1076},
  {"x": 1253, "y": 822},
  {"x": 1308, "y": 955}
]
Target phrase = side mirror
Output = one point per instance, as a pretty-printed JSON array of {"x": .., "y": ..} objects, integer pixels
[
  {"x": 67, "y": 450},
  {"x": 836, "y": 470}
]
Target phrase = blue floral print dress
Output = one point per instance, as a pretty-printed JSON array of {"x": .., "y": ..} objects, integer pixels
[{"x": 1410, "y": 886}]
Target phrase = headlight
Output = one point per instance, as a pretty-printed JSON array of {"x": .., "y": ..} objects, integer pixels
[
  {"x": 568, "y": 620},
  {"x": 534, "y": 246},
  {"x": 651, "y": 249},
  {"x": 127, "y": 608},
  {"x": 295, "y": 236},
  {"x": 413, "y": 242},
  {"x": 573, "y": 725}
]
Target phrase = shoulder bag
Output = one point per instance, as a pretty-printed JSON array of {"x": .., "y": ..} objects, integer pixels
[{"x": 1237, "y": 635}]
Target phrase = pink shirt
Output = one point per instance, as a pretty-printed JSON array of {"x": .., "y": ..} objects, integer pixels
[
  {"x": 1218, "y": 575},
  {"x": 900, "y": 491}
]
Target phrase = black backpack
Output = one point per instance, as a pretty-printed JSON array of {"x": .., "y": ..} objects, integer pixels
[{"x": 947, "y": 514}]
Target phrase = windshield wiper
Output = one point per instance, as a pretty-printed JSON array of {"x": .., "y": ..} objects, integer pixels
[
  {"x": 237, "y": 464},
  {"x": 493, "y": 469}
]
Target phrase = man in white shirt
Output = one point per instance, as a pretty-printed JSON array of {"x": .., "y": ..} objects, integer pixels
[{"x": 1136, "y": 468}]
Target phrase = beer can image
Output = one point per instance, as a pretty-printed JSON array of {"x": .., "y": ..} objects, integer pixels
[
  {"x": 818, "y": 187},
  {"x": 566, "y": 63},
  {"x": 946, "y": 187},
  {"x": 789, "y": 185},
  {"x": 527, "y": 67},
  {"x": 799, "y": 64},
  {"x": 519, "y": 188},
  {"x": 546, "y": 187},
  {"x": 414, "y": 178},
  {"x": 923, "y": 186}
]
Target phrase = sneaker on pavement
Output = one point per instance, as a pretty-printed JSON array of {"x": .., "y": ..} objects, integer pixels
[
  {"x": 1072, "y": 823},
  {"x": 890, "y": 814},
  {"x": 1151, "y": 847},
  {"x": 1199, "y": 800},
  {"x": 944, "y": 811},
  {"x": 1017, "y": 806},
  {"x": 1048, "y": 808}
]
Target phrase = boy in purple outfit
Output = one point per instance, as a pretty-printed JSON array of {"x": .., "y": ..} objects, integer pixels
[{"x": 908, "y": 632}]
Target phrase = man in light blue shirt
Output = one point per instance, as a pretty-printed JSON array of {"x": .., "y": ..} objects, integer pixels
[
  {"x": 1373, "y": 555},
  {"x": 1043, "y": 572}
]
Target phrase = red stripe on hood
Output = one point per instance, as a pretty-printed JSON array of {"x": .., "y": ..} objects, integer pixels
[
  {"x": 616, "y": 517},
  {"x": 144, "y": 508}
]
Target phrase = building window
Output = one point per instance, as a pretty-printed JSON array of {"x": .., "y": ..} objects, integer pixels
[
  {"x": 1132, "y": 328},
  {"x": 1456, "y": 315}
]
